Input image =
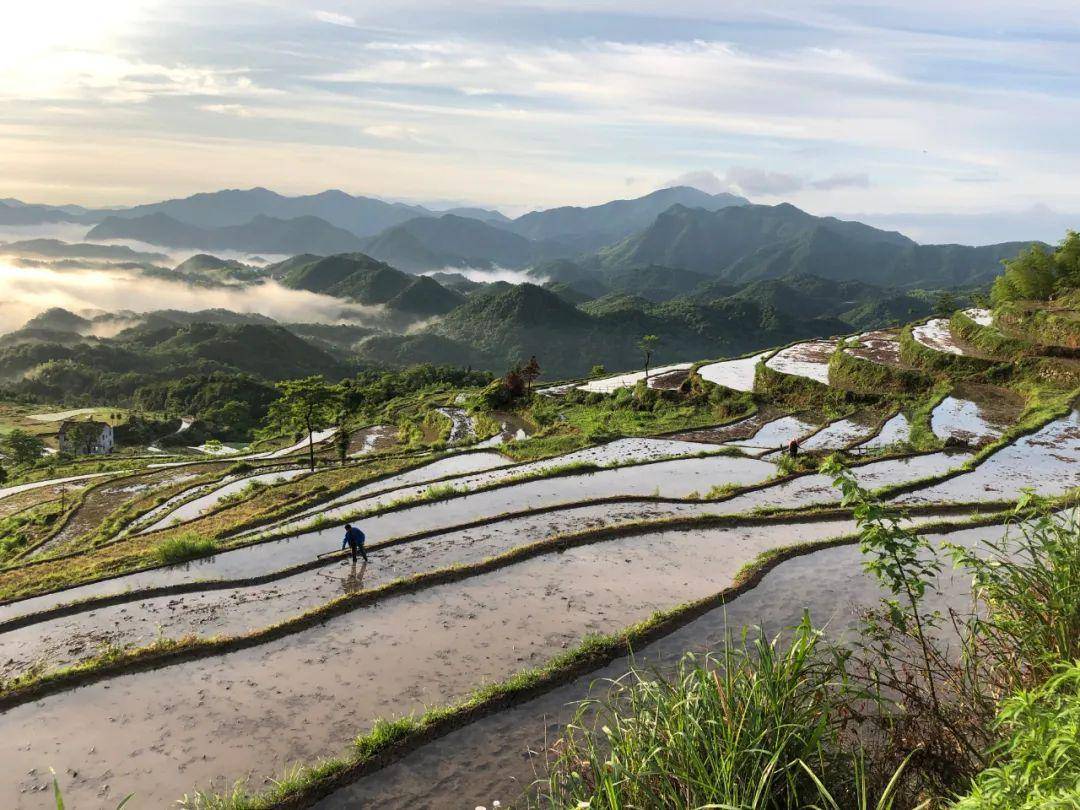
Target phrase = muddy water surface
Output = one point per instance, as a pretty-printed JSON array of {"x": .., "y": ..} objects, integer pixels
[
  {"x": 63, "y": 641},
  {"x": 1047, "y": 461},
  {"x": 809, "y": 359},
  {"x": 252, "y": 712},
  {"x": 735, "y": 374},
  {"x": 498, "y": 757}
]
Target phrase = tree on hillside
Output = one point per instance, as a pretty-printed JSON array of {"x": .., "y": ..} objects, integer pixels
[
  {"x": 946, "y": 303},
  {"x": 22, "y": 447},
  {"x": 341, "y": 441},
  {"x": 1067, "y": 259},
  {"x": 647, "y": 345},
  {"x": 530, "y": 372},
  {"x": 3, "y": 476},
  {"x": 307, "y": 405},
  {"x": 1030, "y": 276}
]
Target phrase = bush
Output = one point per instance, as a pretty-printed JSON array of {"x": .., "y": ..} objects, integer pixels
[
  {"x": 184, "y": 547},
  {"x": 730, "y": 730}
]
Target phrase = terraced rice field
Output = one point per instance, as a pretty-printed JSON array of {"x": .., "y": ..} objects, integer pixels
[
  {"x": 478, "y": 568},
  {"x": 809, "y": 359}
]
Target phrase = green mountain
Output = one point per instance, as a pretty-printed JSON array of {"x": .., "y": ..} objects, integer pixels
[
  {"x": 750, "y": 242},
  {"x": 360, "y": 278},
  {"x": 505, "y": 323},
  {"x": 203, "y": 265},
  {"x": 428, "y": 243},
  {"x": 653, "y": 283},
  {"x": 590, "y": 228},
  {"x": 57, "y": 249},
  {"x": 360, "y": 216},
  {"x": 261, "y": 235}
]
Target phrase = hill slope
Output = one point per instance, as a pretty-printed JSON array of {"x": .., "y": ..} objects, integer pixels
[
  {"x": 590, "y": 228},
  {"x": 758, "y": 241},
  {"x": 262, "y": 234}
]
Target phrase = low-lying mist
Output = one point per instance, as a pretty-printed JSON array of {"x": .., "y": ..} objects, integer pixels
[
  {"x": 490, "y": 276},
  {"x": 28, "y": 291}
]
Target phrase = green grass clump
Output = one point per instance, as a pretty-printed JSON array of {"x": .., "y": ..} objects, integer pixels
[
  {"x": 1038, "y": 763},
  {"x": 752, "y": 726},
  {"x": 184, "y": 547}
]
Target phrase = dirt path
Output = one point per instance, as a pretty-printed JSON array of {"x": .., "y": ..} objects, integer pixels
[{"x": 252, "y": 712}]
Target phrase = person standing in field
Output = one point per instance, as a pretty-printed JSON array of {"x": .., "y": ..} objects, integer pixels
[
  {"x": 354, "y": 539},
  {"x": 793, "y": 448}
]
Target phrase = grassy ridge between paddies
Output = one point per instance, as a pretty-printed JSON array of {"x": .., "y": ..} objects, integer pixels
[
  {"x": 867, "y": 377},
  {"x": 192, "y": 546},
  {"x": 113, "y": 661},
  {"x": 391, "y": 739},
  {"x": 138, "y": 552}
]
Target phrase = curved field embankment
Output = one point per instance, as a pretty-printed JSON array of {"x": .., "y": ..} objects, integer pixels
[{"x": 407, "y": 652}]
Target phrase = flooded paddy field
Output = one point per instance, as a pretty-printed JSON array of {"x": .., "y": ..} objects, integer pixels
[
  {"x": 657, "y": 376},
  {"x": 236, "y": 610},
  {"x": 976, "y": 414},
  {"x": 500, "y": 756},
  {"x": 1045, "y": 461},
  {"x": 809, "y": 359},
  {"x": 880, "y": 346},
  {"x": 896, "y": 429},
  {"x": 818, "y": 489},
  {"x": 474, "y": 470},
  {"x": 100, "y": 501},
  {"x": 189, "y": 510},
  {"x": 737, "y": 375},
  {"x": 775, "y": 435},
  {"x": 251, "y": 712}
]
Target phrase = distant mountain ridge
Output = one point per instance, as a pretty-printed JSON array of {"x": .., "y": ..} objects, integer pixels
[
  {"x": 750, "y": 242},
  {"x": 262, "y": 234}
]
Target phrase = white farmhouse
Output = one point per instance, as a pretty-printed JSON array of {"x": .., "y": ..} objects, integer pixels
[{"x": 85, "y": 437}]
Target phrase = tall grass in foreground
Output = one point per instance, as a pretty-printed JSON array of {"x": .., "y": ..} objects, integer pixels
[
  {"x": 183, "y": 547},
  {"x": 925, "y": 708},
  {"x": 753, "y": 726}
]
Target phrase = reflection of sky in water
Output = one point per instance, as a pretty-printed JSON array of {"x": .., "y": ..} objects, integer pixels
[
  {"x": 895, "y": 430},
  {"x": 963, "y": 419},
  {"x": 810, "y": 359},
  {"x": 735, "y": 374},
  {"x": 1046, "y": 461}
]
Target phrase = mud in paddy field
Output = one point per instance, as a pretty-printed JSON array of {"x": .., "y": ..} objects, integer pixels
[
  {"x": 102, "y": 500},
  {"x": 675, "y": 478},
  {"x": 1045, "y": 461},
  {"x": 500, "y": 756},
  {"x": 68, "y": 639},
  {"x": 250, "y": 713}
]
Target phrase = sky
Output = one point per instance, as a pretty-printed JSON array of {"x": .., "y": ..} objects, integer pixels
[{"x": 879, "y": 110}]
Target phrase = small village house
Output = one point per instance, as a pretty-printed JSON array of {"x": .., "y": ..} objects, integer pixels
[{"x": 85, "y": 437}]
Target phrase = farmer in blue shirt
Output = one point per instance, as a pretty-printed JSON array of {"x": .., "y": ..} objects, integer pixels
[{"x": 354, "y": 539}]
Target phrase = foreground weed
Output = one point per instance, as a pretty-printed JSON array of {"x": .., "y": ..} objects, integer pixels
[
  {"x": 58, "y": 796},
  {"x": 741, "y": 728},
  {"x": 184, "y": 547}
]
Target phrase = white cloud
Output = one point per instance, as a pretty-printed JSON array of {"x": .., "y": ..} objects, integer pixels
[{"x": 334, "y": 18}]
